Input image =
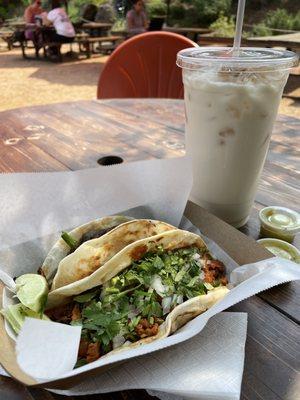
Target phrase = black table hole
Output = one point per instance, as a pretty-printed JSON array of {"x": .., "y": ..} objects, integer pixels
[{"x": 110, "y": 160}]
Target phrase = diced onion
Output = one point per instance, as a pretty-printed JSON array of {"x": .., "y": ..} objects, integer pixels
[
  {"x": 158, "y": 286},
  {"x": 118, "y": 341},
  {"x": 208, "y": 286},
  {"x": 133, "y": 312},
  {"x": 196, "y": 256},
  {"x": 166, "y": 304}
]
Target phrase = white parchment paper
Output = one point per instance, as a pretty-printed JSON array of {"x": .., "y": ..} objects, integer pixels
[
  {"x": 36, "y": 204},
  {"x": 209, "y": 366}
]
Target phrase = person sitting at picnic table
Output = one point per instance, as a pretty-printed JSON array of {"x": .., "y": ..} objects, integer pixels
[
  {"x": 30, "y": 14},
  {"x": 64, "y": 31},
  {"x": 136, "y": 18}
]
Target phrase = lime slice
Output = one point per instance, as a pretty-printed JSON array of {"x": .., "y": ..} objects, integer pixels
[
  {"x": 15, "y": 315},
  {"x": 32, "y": 291}
]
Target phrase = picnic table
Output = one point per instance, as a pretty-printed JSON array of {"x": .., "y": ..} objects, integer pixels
[
  {"x": 96, "y": 28},
  {"x": 290, "y": 41},
  {"x": 7, "y": 36},
  {"x": 41, "y": 138},
  {"x": 96, "y": 25},
  {"x": 191, "y": 33}
]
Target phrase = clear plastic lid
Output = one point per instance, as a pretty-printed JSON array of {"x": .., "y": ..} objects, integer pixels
[{"x": 249, "y": 58}]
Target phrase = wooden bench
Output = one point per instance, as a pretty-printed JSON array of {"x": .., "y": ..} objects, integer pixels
[
  {"x": 86, "y": 44},
  {"x": 24, "y": 46},
  {"x": 7, "y": 37}
]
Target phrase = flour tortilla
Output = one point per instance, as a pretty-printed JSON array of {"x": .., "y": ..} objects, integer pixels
[
  {"x": 170, "y": 240},
  {"x": 60, "y": 249},
  {"x": 93, "y": 254}
]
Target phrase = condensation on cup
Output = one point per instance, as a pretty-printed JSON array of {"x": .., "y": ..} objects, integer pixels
[{"x": 231, "y": 103}]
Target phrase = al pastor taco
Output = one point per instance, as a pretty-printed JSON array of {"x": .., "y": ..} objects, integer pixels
[{"x": 146, "y": 291}]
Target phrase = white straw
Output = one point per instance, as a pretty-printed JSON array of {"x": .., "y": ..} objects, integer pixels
[{"x": 238, "y": 27}]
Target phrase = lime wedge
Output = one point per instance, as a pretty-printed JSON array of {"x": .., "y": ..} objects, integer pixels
[
  {"x": 9, "y": 315},
  {"x": 32, "y": 291},
  {"x": 15, "y": 315}
]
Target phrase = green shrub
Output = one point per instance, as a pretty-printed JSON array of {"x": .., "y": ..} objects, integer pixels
[
  {"x": 296, "y": 22},
  {"x": 75, "y": 7},
  {"x": 206, "y": 12},
  {"x": 177, "y": 11},
  {"x": 261, "y": 30},
  {"x": 119, "y": 25},
  {"x": 279, "y": 19},
  {"x": 223, "y": 26},
  {"x": 156, "y": 8}
]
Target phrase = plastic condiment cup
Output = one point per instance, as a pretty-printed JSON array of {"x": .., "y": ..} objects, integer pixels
[
  {"x": 282, "y": 249},
  {"x": 279, "y": 222}
]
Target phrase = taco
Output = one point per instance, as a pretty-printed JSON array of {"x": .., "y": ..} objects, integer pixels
[
  {"x": 93, "y": 253},
  {"x": 79, "y": 235},
  {"x": 146, "y": 291}
]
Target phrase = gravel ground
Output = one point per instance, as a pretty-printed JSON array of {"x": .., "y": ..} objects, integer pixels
[{"x": 31, "y": 82}]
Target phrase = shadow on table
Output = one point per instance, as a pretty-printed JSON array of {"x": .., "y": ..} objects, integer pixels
[{"x": 292, "y": 88}]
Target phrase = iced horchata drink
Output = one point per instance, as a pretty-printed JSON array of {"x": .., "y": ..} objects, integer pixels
[{"x": 231, "y": 104}]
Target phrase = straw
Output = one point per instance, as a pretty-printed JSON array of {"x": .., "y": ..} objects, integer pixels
[{"x": 238, "y": 27}]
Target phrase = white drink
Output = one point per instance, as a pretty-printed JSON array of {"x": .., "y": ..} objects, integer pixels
[{"x": 229, "y": 120}]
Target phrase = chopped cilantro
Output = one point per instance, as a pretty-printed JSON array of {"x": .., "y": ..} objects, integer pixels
[{"x": 104, "y": 311}]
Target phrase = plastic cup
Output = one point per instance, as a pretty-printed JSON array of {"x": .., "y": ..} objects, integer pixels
[{"x": 231, "y": 103}]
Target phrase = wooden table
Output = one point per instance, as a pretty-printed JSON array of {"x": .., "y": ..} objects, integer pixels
[
  {"x": 96, "y": 28},
  {"x": 290, "y": 41},
  {"x": 75, "y": 135},
  {"x": 96, "y": 25},
  {"x": 191, "y": 33}
]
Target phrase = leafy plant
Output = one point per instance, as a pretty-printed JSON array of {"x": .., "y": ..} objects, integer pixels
[
  {"x": 261, "y": 30},
  {"x": 206, "y": 12},
  {"x": 296, "y": 23},
  {"x": 279, "y": 19},
  {"x": 177, "y": 10},
  {"x": 119, "y": 25},
  {"x": 200, "y": 13},
  {"x": 156, "y": 8},
  {"x": 223, "y": 26}
]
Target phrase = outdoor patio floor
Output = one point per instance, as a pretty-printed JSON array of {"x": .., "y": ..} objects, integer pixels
[{"x": 31, "y": 82}]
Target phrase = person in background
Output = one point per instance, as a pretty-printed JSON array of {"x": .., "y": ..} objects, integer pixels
[
  {"x": 136, "y": 19},
  {"x": 64, "y": 30},
  {"x": 31, "y": 12}
]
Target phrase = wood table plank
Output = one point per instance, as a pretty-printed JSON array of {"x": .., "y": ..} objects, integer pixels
[{"x": 272, "y": 360}]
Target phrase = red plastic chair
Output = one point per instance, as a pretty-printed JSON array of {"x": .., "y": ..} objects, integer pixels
[{"x": 144, "y": 66}]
